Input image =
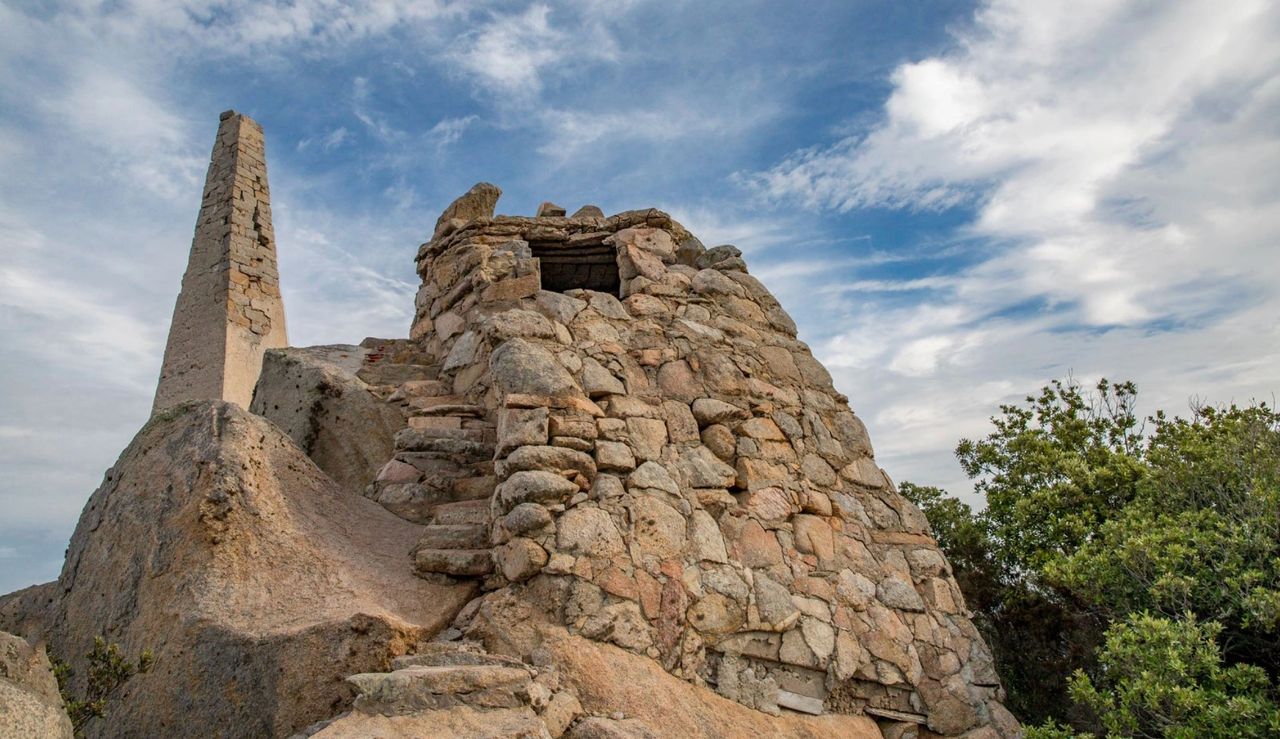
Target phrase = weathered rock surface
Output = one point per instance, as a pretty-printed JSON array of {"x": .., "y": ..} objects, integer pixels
[
  {"x": 460, "y": 721},
  {"x": 314, "y": 396},
  {"x": 258, "y": 583},
  {"x": 30, "y": 705},
  {"x": 451, "y": 689},
  {"x": 575, "y": 688},
  {"x": 478, "y": 202}
]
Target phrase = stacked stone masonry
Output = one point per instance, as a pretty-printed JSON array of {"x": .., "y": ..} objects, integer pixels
[
  {"x": 669, "y": 469},
  {"x": 229, "y": 311}
]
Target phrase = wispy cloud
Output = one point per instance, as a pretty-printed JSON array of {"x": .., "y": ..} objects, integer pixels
[
  {"x": 241, "y": 27},
  {"x": 1042, "y": 117},
  {"x": 449, "y": 131},
  {"x": 375, "y": 123},
  {"x": 1125, "y": 197},
  {"x": 511, "y": 54},
  {"x": 337, "y": 137}
]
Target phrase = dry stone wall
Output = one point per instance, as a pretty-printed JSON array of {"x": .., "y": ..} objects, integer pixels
[
  {"x": 670, "y": 470},
  {"x": 229, "y": 311}
]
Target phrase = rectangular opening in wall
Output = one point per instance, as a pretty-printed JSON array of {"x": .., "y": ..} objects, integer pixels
[{"x": 577, "y": 267}]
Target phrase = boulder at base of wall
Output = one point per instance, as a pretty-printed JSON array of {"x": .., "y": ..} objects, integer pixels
[
  {"x": 314, "y": 396},
  {"x": 257, "y": 583}
]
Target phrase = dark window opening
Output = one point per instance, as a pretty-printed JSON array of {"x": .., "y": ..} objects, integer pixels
[{"x": 577, "y": 267}]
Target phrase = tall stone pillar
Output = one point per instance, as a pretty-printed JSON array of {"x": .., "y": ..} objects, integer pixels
[{"x": 229, "y": 311}]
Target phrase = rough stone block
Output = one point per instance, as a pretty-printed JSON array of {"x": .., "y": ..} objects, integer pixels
[{"x": 519, "y": 427}]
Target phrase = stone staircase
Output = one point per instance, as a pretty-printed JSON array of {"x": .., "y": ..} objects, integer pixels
[
  {"x": 441, "y": 473},
  {"x": 389, "y": 363},
  {"x": 455, "y": 688}
]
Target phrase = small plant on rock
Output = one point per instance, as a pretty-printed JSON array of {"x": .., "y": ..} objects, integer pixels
[{"x": 107, "y": 671}]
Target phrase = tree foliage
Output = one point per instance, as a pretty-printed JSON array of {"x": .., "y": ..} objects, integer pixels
[
  {"x": 1161, "y": 677},
  {"x": 1162, "y": 534},
  {"x": 1053, "y": 471}
]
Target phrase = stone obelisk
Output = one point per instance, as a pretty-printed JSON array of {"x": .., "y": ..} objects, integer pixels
[{"x": 229, "y": 311}]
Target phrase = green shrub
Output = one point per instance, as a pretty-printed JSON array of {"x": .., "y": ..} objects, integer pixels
[
  {"x": 1094, "y": 520},
  {"x": 107, "y": 670}
]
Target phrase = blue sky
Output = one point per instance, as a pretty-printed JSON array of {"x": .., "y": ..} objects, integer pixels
[{"x": 956, "y": 201}]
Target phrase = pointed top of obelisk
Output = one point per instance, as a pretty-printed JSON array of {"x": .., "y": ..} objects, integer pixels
[{"x": 229, "y": 311}]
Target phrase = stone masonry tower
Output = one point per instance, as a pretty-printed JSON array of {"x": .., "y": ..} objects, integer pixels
[
  {"x": 616, "y": 432},
  {"x": 229, "y": 311}
]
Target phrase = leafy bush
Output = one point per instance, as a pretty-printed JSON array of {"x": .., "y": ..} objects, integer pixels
[
  {"x": 1160, "y": 677},
  {"x": 1164, "y": 535}
]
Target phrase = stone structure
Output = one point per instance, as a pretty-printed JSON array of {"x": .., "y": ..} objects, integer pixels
[
  {"x": 601, "y": 490},
  {"x": 622, "y": 435},
  {"x": 229, "y": 311}
]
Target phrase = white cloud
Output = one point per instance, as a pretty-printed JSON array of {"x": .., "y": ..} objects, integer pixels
[
  {"x": 88, "y": 328},
  {"x": 141, "y": 137},
  {"x": 239, "y": 27},
  {"x": 1123, "y": 166},
  {"x": 334, "y": 295},
  {"x": 449, "y": 130},
  {"x": 510, "y": 53},
  {"x": 1042, "y": 117},
  {"x": 374, "y": 122},
  {"x": 337, "y": 137}
]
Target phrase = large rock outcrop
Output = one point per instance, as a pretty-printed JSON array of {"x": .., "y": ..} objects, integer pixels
[
  {"x": 30, "y": 705},
  {"x": 316, "y": 396},
  {"x": 257, "y": 582}
]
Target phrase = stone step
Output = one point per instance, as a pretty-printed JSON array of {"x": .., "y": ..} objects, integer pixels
[
  {"x": 430, "y": 401},
  {"x": 455, "y": 562},
  {"x": 455, "y": 536},
  {"x": 417, "y": 501},
  {"x": 419, "y": 389},
  {"x": 462, "y": 512},
  {"x": 480, "y": 487},
  {"x": 393, "y": 373},
  {"x": 423, "y": 440},
  {"x": 436, "y": 654},
  {"x": 428, "y": 425},
  {"x": 418, "y": 688},
  {"x": 465, "y": 410}
]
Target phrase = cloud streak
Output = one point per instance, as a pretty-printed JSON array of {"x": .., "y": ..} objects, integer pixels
[
  {"x": 1039, "y": 124},
  {"x": 1120, "y": 163}
]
